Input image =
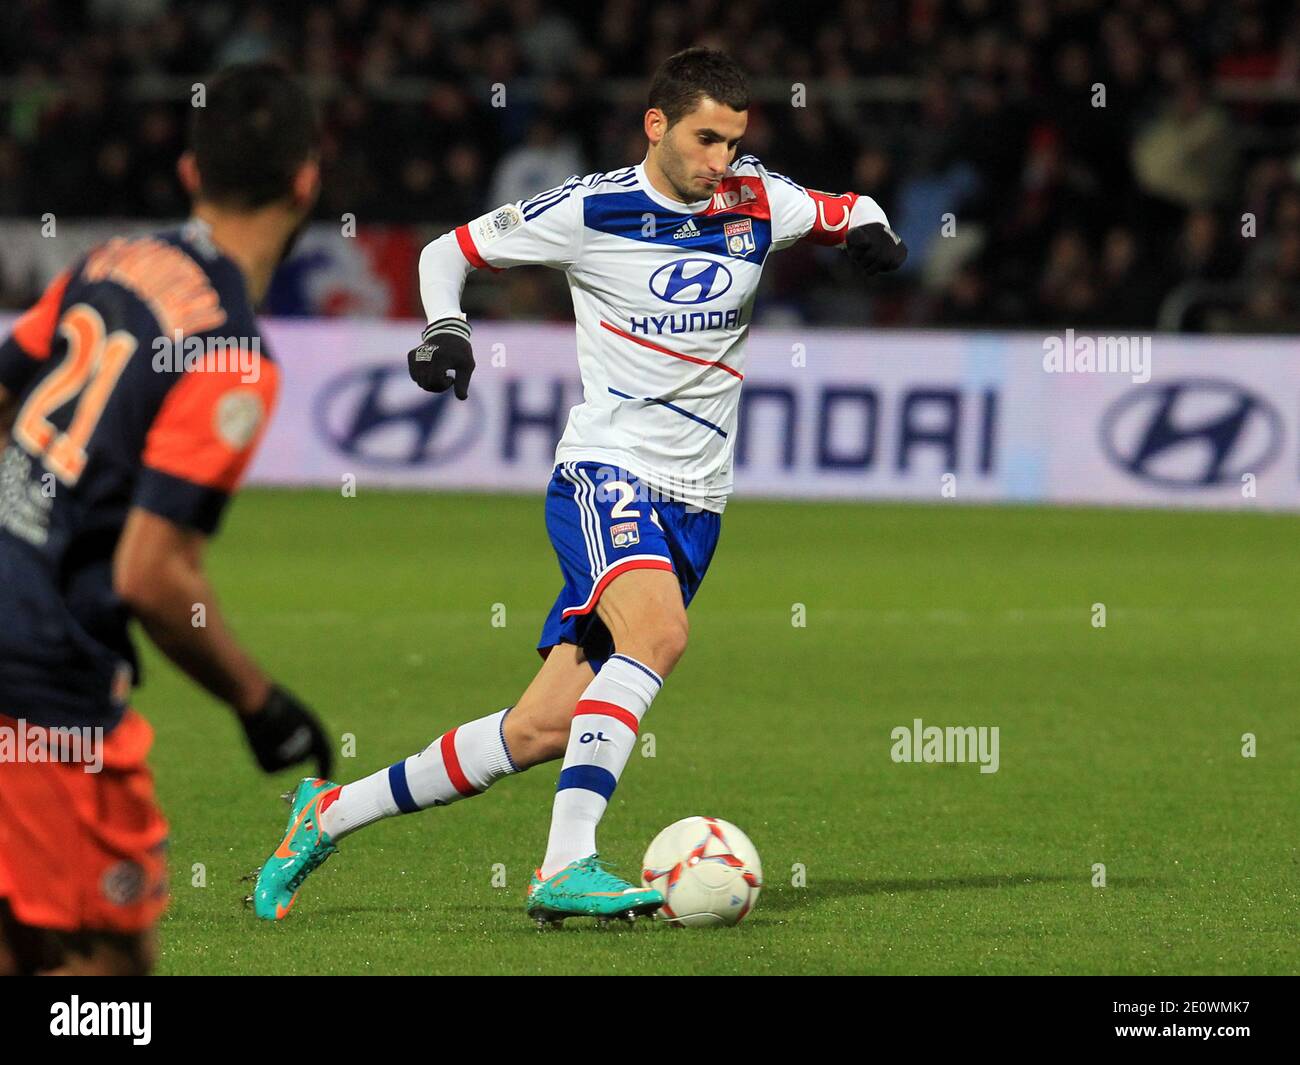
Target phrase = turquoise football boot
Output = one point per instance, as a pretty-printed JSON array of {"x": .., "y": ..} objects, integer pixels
[
  {"x": 304, "y": 847},
  {"x": 585, "y": 888}
]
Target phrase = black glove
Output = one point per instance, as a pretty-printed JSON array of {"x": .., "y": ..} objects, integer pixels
[
  {"x": 284, "y": 732},
  {"x": 875, "y": 247},
  {"x": 445, "y": 347}
]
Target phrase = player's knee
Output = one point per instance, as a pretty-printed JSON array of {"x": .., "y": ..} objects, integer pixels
[
  {"x": 127, "y": 956},
  {"x": 108, "y": 955},
  {"x": 145, "y": 952},
  {"x": 665, "y": 642}
]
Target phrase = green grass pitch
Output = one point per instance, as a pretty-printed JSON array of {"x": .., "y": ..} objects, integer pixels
[{"x": 1120, "y": 745}]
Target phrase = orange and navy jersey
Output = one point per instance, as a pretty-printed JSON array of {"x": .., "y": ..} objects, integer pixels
[{"x": 140, "y": 380}]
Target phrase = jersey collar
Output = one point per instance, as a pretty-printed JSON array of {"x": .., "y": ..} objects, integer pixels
[{"x": 676, "y": 206}]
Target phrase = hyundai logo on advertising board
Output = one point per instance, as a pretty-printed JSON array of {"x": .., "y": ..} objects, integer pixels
[
  {"x": 1193, "y": 433},
  {"x": 377, "y": 415}
]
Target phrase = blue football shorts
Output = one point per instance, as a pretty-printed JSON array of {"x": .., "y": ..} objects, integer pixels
[{"x": 603, "y": 522}]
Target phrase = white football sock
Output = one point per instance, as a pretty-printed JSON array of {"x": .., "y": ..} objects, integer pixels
[
  {"x": 458, "y": 764},
  {"x": 601, "y": 739}
]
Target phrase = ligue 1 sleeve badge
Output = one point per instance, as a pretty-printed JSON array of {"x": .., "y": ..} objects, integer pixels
[{"x": 740, "y": 237}]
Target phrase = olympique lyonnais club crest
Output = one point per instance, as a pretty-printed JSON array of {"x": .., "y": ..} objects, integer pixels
[
  {"x": 625, "y": 535},
  {"x": 739, "y": 237}
]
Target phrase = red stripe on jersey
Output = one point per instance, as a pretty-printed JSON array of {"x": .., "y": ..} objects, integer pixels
[
  {"x": 454, "y": 772},
  {"x": 675, "y": 354},
  {"x": 830, "y": 216},
  {"x": 208, "y": 428},
  {"x": 739, "y": 195},
  {"x": 596, "y": 706},
  {"x": 34, "y": 331}
]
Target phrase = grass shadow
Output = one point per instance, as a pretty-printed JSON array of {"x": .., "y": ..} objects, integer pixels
[{"x": 791, "y": 898}]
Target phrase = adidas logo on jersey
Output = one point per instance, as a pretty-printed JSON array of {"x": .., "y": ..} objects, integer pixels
[{"x": 686, "y": 229}]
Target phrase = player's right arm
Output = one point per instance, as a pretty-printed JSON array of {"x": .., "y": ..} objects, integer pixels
[
  {"x": 195, "y": 454},
  {"x": 543, "y": 231},
  {"x": 158, "y": 573}
]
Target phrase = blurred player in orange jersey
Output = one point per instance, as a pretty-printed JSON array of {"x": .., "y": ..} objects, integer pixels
[{"x": 132, "y": 398}]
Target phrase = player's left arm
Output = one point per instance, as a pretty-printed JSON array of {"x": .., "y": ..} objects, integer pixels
[{"x": 845, "y": 220}]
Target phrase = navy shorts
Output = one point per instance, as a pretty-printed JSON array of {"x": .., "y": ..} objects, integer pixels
[
  {"x": 53, "y": 672},
  {"x": 604, "y": 521}
]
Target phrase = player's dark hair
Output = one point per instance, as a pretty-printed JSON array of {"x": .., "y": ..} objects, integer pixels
[
  {"x": 684, "y": 78},
  {"x": 256, "y": 127}
]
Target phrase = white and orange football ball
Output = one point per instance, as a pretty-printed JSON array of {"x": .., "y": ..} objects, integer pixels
[{"x": 707, "y": 870}]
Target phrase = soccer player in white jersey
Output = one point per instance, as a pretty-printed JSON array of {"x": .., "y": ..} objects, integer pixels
[{"x": 663, "y": 260}]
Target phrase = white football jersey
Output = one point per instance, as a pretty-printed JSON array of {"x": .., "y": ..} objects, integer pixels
[{"x": 663, "y": 295}]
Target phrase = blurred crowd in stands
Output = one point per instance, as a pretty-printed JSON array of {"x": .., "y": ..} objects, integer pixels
[{"x": 1050, "y": 162}]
